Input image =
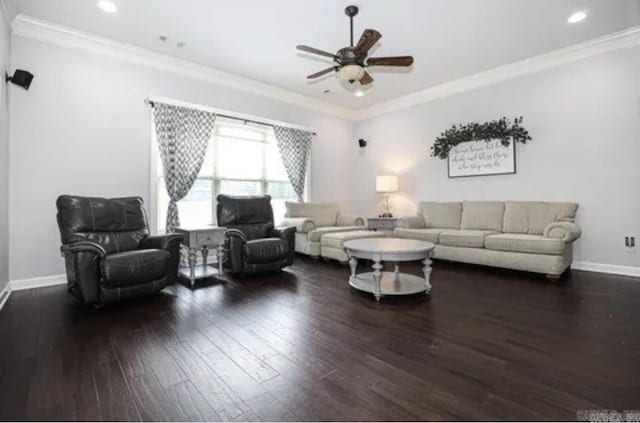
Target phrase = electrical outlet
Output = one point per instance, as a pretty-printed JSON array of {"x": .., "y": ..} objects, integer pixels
[{"x": 630, "y": 242}]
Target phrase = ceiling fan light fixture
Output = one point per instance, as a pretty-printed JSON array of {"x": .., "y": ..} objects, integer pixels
[{"x": 351, "y": 73}]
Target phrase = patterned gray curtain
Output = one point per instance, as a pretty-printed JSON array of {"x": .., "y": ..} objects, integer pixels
[
  {"x": 295, "y": 147},
  {"x": 183, "y": 136}
]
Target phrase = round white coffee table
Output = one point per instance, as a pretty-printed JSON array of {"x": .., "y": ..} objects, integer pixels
[{"x": 394, "y": 250}]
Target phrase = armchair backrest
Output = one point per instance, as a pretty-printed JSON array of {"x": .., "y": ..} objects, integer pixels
[
  {"x": 118, "y": 224},
  {"x": 251, "y": 215}
]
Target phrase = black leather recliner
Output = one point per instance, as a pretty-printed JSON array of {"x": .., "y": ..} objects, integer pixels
[
  {"x": 253, "y": 243},
  {"x": 109, "y": 255}
]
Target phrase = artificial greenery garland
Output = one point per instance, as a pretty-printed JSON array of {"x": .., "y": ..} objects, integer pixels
[{"x": 501, "y": 129}]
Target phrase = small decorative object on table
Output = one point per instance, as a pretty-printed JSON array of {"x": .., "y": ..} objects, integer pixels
[
  {"x": 386, "y": 185},
  {"x": 201, "y": 240},
  {"x": 381, "y": 223}
]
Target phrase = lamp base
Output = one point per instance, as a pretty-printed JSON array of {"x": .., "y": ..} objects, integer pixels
[{"x": 386, "y": 215}]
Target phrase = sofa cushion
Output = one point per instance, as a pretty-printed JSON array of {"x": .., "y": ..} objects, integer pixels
[
  {"x": 525, "y": 243},
  {"x": 482, "y": 215},
  {"x": 337, "y": 239},
  {"x": 531, "y": 217},
  {"x": 429, "y": 234},
  {"x": 441, "y": 215},
  {"x": 464, "y": 238},
  {"x": 322, "y": 214},
  {"x": 134, "y": 267},
  {"x": 316, "y": 234},
  {"x": 266, "y": 250}
]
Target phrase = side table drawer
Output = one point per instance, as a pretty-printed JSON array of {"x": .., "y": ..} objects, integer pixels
[
  {"x": 381, "y": 224},
  {"x": 209, "y": 238}
]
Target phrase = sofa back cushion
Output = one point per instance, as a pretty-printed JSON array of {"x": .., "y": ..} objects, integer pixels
[
  {"x": 441, "y": 215},
  {"x": 531, "y": 217},
  {"x": 483, "y": 215},
  {"x": 323, "y": 214}
]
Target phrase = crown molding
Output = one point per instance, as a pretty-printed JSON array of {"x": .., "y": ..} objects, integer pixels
[
  {"x": 44, "y": 31},
  {"x": 9, "y": 9},
  {"x": 616, "y": 41},
  {"x": 36, "y": 29}
]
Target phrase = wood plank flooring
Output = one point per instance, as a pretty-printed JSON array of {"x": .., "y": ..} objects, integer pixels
[{"x": 301, "y": 345}]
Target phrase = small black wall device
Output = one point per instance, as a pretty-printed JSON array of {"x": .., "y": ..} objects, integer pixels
[
  {"x": 362, "y": 142},
  {"x": 21, "y": 78}
]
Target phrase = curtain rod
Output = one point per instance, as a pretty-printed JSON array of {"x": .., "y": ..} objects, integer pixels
[{"x": 226, "y": 114}]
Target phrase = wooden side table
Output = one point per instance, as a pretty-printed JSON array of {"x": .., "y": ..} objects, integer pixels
[
  {"x": 381, "y": 223},
  {"x": 201, "y": 240}
]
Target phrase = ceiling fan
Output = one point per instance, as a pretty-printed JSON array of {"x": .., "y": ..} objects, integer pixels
[{"x": 350, "y": 62}]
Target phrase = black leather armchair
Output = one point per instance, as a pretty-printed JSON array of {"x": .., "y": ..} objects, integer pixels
[
  {"x": 109, "y": 255},
  {"x": 253, "y": 243}
]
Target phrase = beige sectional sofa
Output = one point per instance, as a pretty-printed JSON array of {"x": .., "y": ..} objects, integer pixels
[
  {"x": 530, "y": 236},
  {"x": 312, "y": 220}
]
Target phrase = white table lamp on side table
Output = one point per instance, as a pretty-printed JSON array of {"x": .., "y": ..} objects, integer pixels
[{"x": 385, "y": 185}]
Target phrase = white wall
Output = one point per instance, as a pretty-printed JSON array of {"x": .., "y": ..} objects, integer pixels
[
  {"x": 5, "y": 56},
  {"x": 584, "y": 119},
  {"x": 83, "y": 128}
]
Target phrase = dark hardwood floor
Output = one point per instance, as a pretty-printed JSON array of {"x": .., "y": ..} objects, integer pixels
[{"x": 301, "y": 345}]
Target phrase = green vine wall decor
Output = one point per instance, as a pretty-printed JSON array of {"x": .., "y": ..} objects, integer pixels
[{"x": 501, "y": 129}]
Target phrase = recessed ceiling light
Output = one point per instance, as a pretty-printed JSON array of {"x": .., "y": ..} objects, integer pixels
[
  {"x": 359, "y": 93},
  {"x": 108, "y": 6},
  {"x": 577, "y": 17}
]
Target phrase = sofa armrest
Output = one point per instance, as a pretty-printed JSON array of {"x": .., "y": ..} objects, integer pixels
[
  {"x": 84, "y": 247},
  {"x": 566, "y": 231},
  {"x": 411, "y": 222},
  {"x": 350, "y": 220},
  {"x": 302, "y": 224},
  {"x": 161, "y": 242}
]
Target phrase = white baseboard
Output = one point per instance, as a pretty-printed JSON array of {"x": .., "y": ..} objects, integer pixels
[
  {"x": 4, "y": 294},
  {"x": 40, "y": 282},
  {"x": 606, "y": 268}
]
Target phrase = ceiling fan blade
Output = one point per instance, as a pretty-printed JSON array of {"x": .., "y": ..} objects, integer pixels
[
  {"x": 367, "y": 40},
  {"x": 390, "y": 61},
  {"x": 312, "y": 50},
  {"x": 322, "y": 72},
  {"x": 366, "y": 79}
]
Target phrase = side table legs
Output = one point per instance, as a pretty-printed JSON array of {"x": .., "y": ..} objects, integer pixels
[{"x": 192, "y": 266}]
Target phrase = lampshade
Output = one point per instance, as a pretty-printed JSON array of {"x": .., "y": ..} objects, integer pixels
[
  {"x": 351, "y": 72},
  {"x": 388, "y": 183}
]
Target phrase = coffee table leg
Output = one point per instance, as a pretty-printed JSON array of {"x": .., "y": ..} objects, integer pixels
[
  {"x": 427, "y": 273},
  {"x": 377, "y": 276},
  {"x": 353, "y": 264}
]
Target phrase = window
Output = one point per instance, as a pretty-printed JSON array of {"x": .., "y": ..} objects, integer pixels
[{"x": 241, "y": 160}]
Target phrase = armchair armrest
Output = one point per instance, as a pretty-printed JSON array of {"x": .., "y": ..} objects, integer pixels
[
  {"x": 302, "y": 224},
  {"x": 411, "y": 222},
  {"x": 283, "y": 232},
  {"x": 84, "y": 247},
  {"x": 566, "y": 231},
  {"x": 161, "y": 242},
  {"x": 236, "y": 234},
  {"x": 350, "y": 220}
]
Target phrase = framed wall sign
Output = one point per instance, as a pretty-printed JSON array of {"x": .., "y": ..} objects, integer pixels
[{"x": 482, "y": 158}]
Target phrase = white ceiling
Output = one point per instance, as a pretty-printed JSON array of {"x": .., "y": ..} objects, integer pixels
[{"x": 256, "y": 38}]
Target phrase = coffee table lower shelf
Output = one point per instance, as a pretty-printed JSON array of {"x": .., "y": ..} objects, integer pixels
[{"x": 391, "y": 283}]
